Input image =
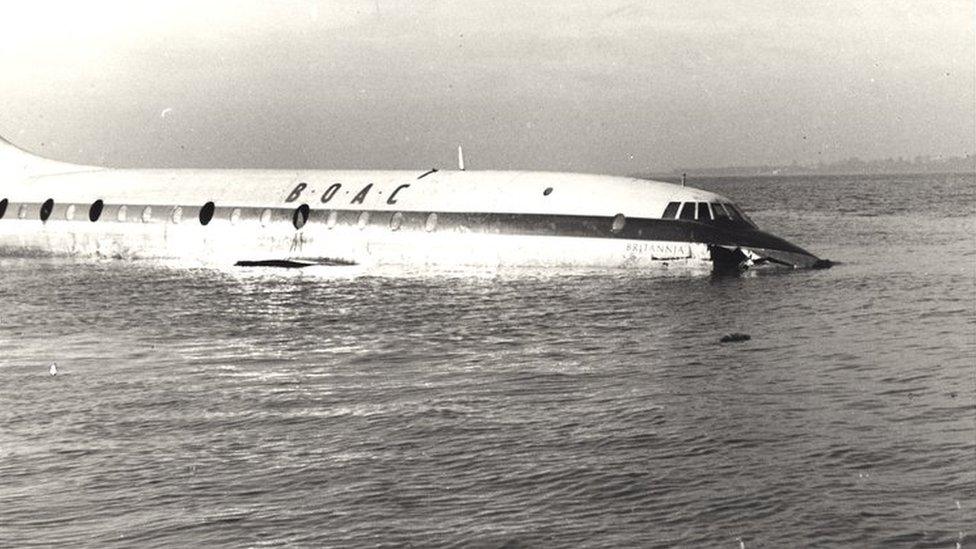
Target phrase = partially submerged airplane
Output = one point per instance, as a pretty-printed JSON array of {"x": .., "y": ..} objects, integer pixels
[{"x": 425, "y": 219}]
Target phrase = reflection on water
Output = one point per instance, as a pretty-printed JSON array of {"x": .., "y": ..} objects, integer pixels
[{"x": 257, "y": 407}]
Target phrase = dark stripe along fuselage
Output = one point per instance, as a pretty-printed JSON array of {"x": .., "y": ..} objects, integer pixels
[{"x": 720, "y": 233}]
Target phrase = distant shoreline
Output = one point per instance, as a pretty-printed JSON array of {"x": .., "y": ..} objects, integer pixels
[
  {"x": 851, "y": 166},
  {"x": 694, "y": 174}
]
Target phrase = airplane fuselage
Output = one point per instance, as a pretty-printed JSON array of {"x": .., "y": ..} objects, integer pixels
[{"x": 374, "y": 218}]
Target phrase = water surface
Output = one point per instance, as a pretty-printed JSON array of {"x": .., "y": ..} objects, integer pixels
[{"x": 265, "y": 408}]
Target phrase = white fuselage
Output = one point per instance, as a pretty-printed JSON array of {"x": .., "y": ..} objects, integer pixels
[{"x": 370, "y": 218}]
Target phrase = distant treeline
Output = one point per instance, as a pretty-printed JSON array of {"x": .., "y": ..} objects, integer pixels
[{"x": 853, "y": 166}]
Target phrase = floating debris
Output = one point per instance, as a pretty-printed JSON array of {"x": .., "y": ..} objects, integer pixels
[
  {"x": 735, "y": 336},
  {"x": 53, "y": 370}
]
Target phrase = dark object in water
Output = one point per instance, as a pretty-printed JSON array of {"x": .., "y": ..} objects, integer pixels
[
  {"x": 282, "y": 263},
  {"x": 296, "y": 263},
  {"x": 735, "y": 336}
]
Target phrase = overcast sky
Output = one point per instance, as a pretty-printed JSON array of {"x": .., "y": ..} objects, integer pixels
[{"x": 600, "y": 86}]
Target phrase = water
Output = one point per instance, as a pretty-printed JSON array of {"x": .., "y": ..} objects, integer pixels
[{"x": 267, "y": 408}]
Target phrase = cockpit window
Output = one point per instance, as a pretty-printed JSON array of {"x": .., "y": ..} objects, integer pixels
[
  {"x": 704, "y": 214},
  {"x": 738, "y": 214},
  {"x": 672, "y": 210},
  {"x": 733, "y": 215},
  {"x": 719, "y": 210},
  {"x": 748, "y": 219}
]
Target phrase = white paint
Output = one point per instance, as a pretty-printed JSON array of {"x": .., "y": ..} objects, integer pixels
[
  {"x": 28, "y": 178},
  {"x": 224, "y": 242}
]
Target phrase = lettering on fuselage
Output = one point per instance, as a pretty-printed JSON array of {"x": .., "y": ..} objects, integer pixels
[
  {"x": 660, "y": 251},
  {"x": 332, "y": 190},
  {"x": 361, "y": 195}
]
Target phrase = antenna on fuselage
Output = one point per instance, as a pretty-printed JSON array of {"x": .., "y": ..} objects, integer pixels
[
  {"x": 460, "y": 158},
  {"x": 683, "y": 179}
]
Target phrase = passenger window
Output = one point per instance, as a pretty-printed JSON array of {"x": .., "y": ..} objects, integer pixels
[
  {"x": 619, "y": 221},
  {"x": 300, "y": 217},
  {"x": 396, "y": 221},
  {"x": 332, "y": 220},
  {"x": 3, "y": 207},
  {"x": 431, "y": 223},
  {"x": 46, "y": 209},
  {"x": 363, "y": 220},
  {"x": 265, "y": 217},
  {"x": 704, "y": 214},
  {"x": 207, "y": 213},
  {"x": 95, "y": 211},
  {"x": 672, "y": 210},
  {"x": 121, "y": 214},
  {"x": 176, "y": 216},
  {"x": 688, "y": 211}
]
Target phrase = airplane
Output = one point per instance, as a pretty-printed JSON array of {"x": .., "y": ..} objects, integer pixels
[{"x": 421, "y": 219}]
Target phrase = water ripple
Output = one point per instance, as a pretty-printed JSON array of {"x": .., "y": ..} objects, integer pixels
[{"x": 226, "y": 409}]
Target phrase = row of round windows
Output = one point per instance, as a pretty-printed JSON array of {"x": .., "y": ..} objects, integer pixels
[
  {"x": 122, "y": 214},
  {"x": 299, "y": 217}
]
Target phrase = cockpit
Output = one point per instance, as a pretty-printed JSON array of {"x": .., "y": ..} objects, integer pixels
[{"x": 719, "y": 213}]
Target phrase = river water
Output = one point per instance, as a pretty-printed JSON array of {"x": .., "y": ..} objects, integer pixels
[{"x": 315, "y": 408}]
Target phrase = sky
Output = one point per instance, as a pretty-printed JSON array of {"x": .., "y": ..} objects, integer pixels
[{"x": 614, "y": 87}]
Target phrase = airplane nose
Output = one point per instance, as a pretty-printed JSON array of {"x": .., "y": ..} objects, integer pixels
[
  {"x": 759, "y": 247},
  {"x": 788, "y": 258}
]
